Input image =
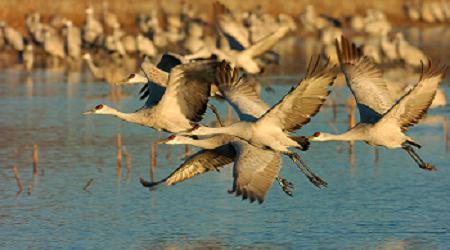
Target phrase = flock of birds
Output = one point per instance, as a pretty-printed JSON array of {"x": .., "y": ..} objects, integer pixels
[
  {"x": 256, "y": 142},
  {"x": 209, "y": 65}
]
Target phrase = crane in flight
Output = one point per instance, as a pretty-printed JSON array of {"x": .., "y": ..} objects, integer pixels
[
  {"x": 383, "y": 121},
  {"x": 270, "y": 130}
]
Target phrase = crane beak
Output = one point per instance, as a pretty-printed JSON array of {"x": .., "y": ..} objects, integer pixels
[
  {"x": 89, "y": 112},
  {"x": 162, "y": 141}
]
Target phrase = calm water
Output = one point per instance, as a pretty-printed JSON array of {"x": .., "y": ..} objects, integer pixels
[{"x": 389, "y": 204}]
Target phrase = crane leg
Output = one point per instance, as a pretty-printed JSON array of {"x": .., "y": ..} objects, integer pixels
[
  {"x": 285, "y": 185},
  {"x": 313, "y": 178},
  {"x": 417, "y": 159},
  {"x": 216, "y": 113}
]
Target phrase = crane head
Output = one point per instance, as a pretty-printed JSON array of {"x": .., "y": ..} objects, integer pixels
[
  {"x": 317, "y": 136},
  {"x": 175, "y": 139},
  {"x": 101, "y": 109}
]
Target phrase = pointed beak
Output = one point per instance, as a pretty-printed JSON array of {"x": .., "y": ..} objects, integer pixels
[
  {"x": 162, "y": 141},
  {"x": 89, "y": 112}
]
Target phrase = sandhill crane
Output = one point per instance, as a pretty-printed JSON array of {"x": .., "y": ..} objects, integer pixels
[
  {"x": 271, "y": 130},
  {"x": 246, "y": 58},
  {"x": 28, "y": 56},
  {"x": 407, "y": 52},
  {"x": 383, "y": 121},
  {"x": 145, "y": 46},
  {"x": 92, "y": 29},
  {"x": 73, "y": 41},
  {"x": 12, "y": 37},
  {"x": 254, "y": 168},
  {"x": 54, "y": 46},
  {"x": 238, "y": 49},
  {"x": 108, "y": 71},
  {"x": 183, "y": 103}
]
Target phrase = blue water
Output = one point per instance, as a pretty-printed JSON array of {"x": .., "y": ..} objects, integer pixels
[{"x": 389, "y": 204}]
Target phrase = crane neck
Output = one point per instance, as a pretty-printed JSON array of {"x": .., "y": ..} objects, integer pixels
[
  {"x": 350, "y": 135},
  {"x": 95, "y": 70}
]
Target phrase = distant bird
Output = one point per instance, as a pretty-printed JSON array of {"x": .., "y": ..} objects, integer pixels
[
  {"x": 28, "y": 57},
  {"x": 92, "y": 29},
  {"x": 145, "y": 46},
  {"x": 410, "y": 54},
  {"x": 54, "y": 46},
  {"x": 246, "y": 58},
  {"x": 383, "y": 121},
  {"x": 12, "y": 37},
  {"x": 73, "y": 41},
  {"x": 108, "y": 71},
  {"x": 271, "y": 130},
  {"x": 183, "y": 102}
]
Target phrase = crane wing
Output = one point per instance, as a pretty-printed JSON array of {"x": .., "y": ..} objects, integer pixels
[
  {"x": 303, "y": 101},
  {"x": 265, "y": 44},
  {"x": 234, "y": 31},
  {"x": 242, "y": 93},
  {"x": 158, "y": 78},
  {"x": 201, "y": 162},
  {"x": 365, "y": 81},
  {"x": 410, "y": 108},
  {"x": 188, "y": 90},
  {"x": 254, "y": 171}
]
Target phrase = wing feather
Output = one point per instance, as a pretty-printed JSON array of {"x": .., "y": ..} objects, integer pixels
[
  {"x": 242, "y": 93},
  {"x": 266, "y": 43},
  {"x": 365, "y": 81},
  {"x": 201, "y": 162},
  {"x": 303, "y": 101},
  {"x": 412, "y": 107},
  {"x": 254, "y": 171},
  {"x": 188, "y": 90}
]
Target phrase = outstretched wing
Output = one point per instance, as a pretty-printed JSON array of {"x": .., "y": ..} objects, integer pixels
[
  {"x": 236, "y": 34},
  {"x": 188, "y": 90},
  {"x": 265, "y": 44},
  {"x": 158, "y": 78},
  {"x": 409, "y": 109},
  {"x": 303, "y": 101},
  {"x": 201, "y": 162},
  {"x": 242, "y": 93},
  {"x": 365, "y": 81},
  {"x": 254, "y": 171}
]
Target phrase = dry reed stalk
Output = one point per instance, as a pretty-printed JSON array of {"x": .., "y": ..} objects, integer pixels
[
  {"x": 152, "y": 160},
  {"x": 445, "y": 128},
  {"x": 351, "y": 119},
  {"x": 119, "y": 154},
  {"x": 127, "y": 160},
  {"x": 29, "y": 189},
  {"x": 35, "y": 159},
  {"x": 88, "y": 185},
  {"x": 187, "y": 151},
  {"x": 18, "y": 180}
]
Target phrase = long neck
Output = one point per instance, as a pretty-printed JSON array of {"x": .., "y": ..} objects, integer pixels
[
  {"x": 128, "y": 117},
  {"x": 94, "y": 69},
  {"x": 230, "y": 130},
  {"x": 351, "y": 135},
  {"x": 209, "y": 143}
]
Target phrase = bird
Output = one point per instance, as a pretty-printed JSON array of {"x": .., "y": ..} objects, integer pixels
[
  {"x": 110, "y": 72},
  {"x": 254, "y": 168},
  {"x": 73, "y": 41},
  {"x": 181, "y": 105},
  {"x": 383, "y": 121},
  {"x": 271, "y": 130},
  {"x": 410, "y": 54}
]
